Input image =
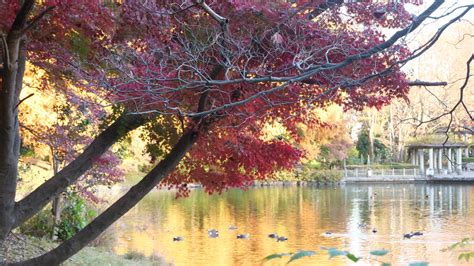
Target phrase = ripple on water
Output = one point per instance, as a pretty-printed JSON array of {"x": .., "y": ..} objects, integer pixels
[{"x": 304, "y": 215}]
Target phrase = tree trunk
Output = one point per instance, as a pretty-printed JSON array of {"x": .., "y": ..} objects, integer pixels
[
  {"x": 9, "y": 151},
  {"x": 371, "y": 156},
  {"x": 393, "y": 154},
  {"x": 57, "y": 201},
  {"x": 56, "y": 210},
  {"x": 14, "y": 58},
  {"x": 119, "y": 208}
]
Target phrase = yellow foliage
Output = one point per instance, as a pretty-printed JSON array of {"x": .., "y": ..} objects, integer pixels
[{"x": 311, "y": 139}]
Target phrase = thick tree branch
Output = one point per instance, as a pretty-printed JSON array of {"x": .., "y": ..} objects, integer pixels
[
  {"x": 37, "y": 199},
  {"x": 329, "y": 67},
  {"x": 21, "y": 17},
  {"x": 427, "y": 83},
  {"x": 323, "y": 7},
  {"x": 36, "y": 19},
  {"x": 120, "y": 207},
  {"x": 222, "y": 20},
  {"x": 134, "y": 195},
  {"x": 410, "y": 83}
]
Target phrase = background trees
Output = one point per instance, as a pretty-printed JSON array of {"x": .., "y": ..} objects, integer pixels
[
  {"x": 202, "y": 76},
  {"x": 405, "y": 120}
]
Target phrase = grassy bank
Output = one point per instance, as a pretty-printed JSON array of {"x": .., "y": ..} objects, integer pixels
[
  {"x": 308, "y": 174},
  {"x": 20, "y": 247}
]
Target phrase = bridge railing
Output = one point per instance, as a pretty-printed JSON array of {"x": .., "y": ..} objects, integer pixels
[{"x": 367, "y": 172}]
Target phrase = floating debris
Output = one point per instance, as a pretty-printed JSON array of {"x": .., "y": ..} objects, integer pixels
[
  {"x": 178, "y": 238},
  {"x": 243, "y": 236},
  {"x": 232, "y": 227},
  {"x": 282, "y": 238},
  {"x": 374, "y": 230}
]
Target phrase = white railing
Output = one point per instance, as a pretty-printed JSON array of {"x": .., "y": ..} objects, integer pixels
[{"x": 366, "y": 172}]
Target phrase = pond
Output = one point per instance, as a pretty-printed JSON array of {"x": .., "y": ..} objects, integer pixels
[{"x": 443, "y": 212}]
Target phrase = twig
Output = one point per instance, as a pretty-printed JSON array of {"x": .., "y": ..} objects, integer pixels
[{"x": 22, "y": 100}]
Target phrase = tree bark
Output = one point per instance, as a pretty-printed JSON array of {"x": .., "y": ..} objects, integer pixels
[
  {"x": 56, "y": 207},
  {"x": 119, "y": 208},
  {"x": 14, "y": 58},
  {"x": 37, "y": 199}
]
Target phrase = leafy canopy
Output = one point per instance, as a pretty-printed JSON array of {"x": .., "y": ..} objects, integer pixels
[{"x": 257, "y": 62}]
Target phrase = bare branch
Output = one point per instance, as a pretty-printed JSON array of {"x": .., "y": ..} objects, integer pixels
[
  {"x": 36, "y": 19},
  {"x": 460, "y": 102},
  {"x": 222, "y": 20},
  {"x": 329, "y": 66},
  {"x": 427, "y": 83},
  {"x": 24, "y": 99}
]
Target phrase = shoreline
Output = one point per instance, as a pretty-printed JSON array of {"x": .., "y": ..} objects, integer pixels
[{"x": 19, "y": 247}]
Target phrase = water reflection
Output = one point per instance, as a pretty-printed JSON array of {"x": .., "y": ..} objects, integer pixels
[{"x": 303, "y": 214}]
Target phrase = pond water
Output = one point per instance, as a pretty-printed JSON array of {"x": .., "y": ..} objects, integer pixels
[{"x": 443, "y": 212}]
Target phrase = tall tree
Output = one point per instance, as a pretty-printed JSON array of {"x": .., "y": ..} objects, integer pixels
[{"x": 210, "y": 76}]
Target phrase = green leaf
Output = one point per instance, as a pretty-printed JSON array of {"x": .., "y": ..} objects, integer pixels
[
  {"x": 418, "y": 264},
  {"x": 301, "y": 254},
  {"x": 380, "y": 252},
  {"x": 386, "y": 264},
  {"x": 276, "y": 256},
  {"x": 352, "y": 257},
  {"x": 467, "y": 256},
  {"x": 464, "y": 242},
  {"x": 333, "y": 252}
]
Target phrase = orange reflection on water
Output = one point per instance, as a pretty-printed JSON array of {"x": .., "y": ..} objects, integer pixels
[{"x": 303, "y": 214}]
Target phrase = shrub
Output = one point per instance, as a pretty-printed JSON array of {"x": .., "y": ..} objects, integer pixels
[
  {"x": 324, "y": 175},
  {"x": 74, "y": 216},
  {"x": 40, "y": 225}
]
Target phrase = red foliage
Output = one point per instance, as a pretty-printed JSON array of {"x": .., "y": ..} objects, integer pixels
[{"x": 158, "y": 56}]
